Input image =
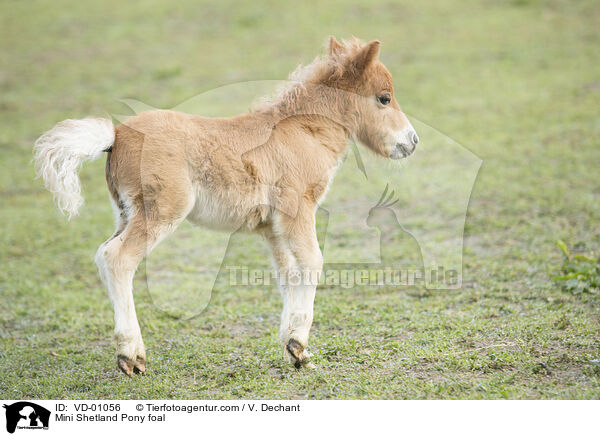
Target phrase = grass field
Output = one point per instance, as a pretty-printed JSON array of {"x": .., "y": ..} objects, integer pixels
[{"x": 514, "y": 81}]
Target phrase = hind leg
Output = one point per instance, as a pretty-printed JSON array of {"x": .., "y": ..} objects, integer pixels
[
  {"x": 117, "y": 267},
  {"x": 117, "y": 260}
]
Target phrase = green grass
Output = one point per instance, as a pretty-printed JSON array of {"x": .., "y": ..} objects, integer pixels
[{"x": 515, "y": 81}]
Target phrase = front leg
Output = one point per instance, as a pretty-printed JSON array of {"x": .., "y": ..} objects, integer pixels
[{"x": 299, "y": 262}]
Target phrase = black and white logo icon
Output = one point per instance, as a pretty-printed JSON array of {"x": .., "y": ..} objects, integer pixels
[{"x": 26, "y": 415}]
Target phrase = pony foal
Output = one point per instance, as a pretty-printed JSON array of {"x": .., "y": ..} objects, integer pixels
[{"x": 264, "y": 171}]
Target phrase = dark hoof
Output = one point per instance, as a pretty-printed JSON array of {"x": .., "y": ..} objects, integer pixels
[
  {"x": 296, "y": 350},
  {"x": 130, "y": 367}
]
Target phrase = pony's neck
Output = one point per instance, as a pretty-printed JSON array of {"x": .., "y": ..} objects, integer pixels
[{"x": 323, "y": 111}]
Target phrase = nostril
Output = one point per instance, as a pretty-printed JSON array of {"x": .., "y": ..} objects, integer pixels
[{"x": 414, "y": 138}]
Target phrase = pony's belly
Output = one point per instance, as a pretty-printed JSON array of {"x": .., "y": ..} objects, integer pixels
[
  {"x": 229, "y": 211},
  {"x": 212, "y": 221}
]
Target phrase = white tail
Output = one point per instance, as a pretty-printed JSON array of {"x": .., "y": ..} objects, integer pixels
[{"x": 60, "y": 152}]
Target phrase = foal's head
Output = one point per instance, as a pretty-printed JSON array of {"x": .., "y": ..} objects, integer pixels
[{"x": 376, "y": 118}]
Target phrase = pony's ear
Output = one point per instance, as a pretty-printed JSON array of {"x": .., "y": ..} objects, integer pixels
[
  {"x": 334, "y": 46},
  {"x": 366, "y": 56}
]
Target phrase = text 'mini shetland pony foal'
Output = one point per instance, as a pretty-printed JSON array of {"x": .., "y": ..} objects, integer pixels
[{"x": 265, "y": 171}]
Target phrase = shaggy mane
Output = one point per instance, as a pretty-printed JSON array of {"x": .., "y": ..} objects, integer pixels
[{"x": 323, "y": 69}]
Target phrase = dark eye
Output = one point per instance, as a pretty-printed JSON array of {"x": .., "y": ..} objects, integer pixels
[{"x": 384, "y": 98}]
